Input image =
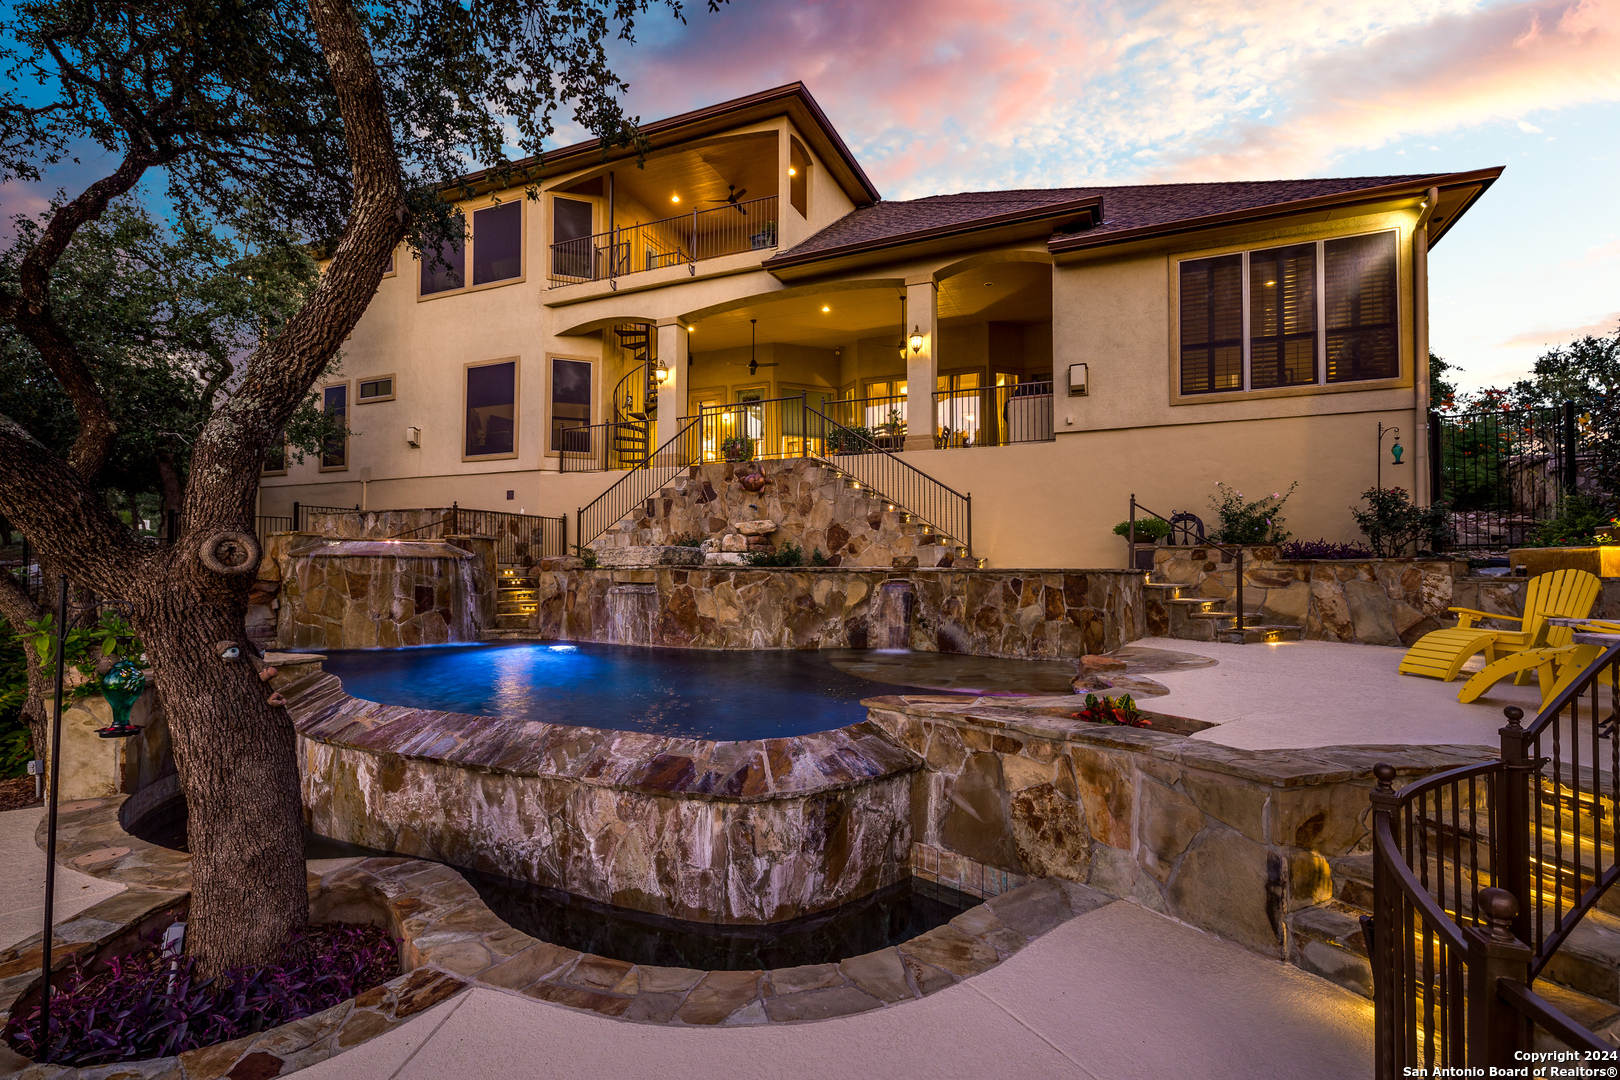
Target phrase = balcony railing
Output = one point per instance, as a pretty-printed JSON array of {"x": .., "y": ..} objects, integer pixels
[
  {"x": 631, "y": 249},
  {"x": 749, "y": 430},
  {"x": 605, "y": 447},
  {"x": 993, "y": 415}
]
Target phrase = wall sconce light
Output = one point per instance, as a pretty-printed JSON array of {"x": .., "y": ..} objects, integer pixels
[
  {"x": 413, "y": 436},
  {"x": 916, "y": 339},
  {"x": 792, "y": 171},
  {"x": 661, "y": 372}
]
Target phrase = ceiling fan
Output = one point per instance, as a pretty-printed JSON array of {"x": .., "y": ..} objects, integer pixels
[
  {"x": 753, "y": 364},
  {"x": 731, "y": 199}
]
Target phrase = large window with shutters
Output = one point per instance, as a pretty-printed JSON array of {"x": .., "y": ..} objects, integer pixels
[{"x": 1310, "y": 314}]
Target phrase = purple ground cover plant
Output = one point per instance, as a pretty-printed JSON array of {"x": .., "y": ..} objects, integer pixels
[
  {"x": 150, "y": 1004},
  {"x": 1322, "y": 549}
]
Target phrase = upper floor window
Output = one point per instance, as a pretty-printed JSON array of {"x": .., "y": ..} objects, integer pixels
[
  {"x": 493, "y": 246},
  {"x": 1301, "y": 315},
  {"x": 335, "y": 449},
  {"x": 571, "y": 253}
]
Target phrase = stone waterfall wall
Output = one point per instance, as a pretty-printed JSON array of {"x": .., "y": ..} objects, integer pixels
[
  {"x": 810, "y": 507},
  {"x": 1034, "y": 614},
  {"x": 359, "y": 594},
  {"x": 734, "y": 832}
]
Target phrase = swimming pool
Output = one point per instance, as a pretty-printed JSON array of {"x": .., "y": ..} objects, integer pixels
[{"x": 681, "y": 693}]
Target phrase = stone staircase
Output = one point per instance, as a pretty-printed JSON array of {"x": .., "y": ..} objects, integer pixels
[
  {"x": 515, "y": 598},
  {"x": 1582, "y": 979},
  {"x": 1202, "y": 618}
]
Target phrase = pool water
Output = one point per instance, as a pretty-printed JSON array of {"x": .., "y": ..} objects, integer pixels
[
  {"x": 887, "y": 917},
  {"x": 682, "y": 693}
]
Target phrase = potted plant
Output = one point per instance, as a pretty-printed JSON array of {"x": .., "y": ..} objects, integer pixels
[
  {"x": 894, "y": 426},
  {"x": 851, "y": 440},
  {"x": 1150, "y": 532},
  {"x": 1109, "y": 710},
  {"x": 738, "y": 448}
]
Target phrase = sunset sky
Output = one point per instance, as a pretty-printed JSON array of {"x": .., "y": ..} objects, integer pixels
[
  {"x": 940, "y": 96},
  {"x": 957, "y": 95}
]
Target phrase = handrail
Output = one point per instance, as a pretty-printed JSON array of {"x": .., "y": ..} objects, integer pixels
[
  {"x": 746, "y": 225},
  {"x": 908, "y": 487},
  {"x": 1538, "y": 1010},
  {"x": 1550, "y": 711},
  {"x": 1416, "y": 893},
  {"x": 663, "y": 458},
  {"x": 1236, "y": 551}
]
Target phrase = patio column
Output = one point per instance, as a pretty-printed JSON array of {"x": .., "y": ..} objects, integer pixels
[
  {"x": 922, "y": 367},
  {"x": 672, "y": 350}
]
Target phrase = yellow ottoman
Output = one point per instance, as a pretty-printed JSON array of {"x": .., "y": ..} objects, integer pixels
[{"x": 1440, "y": 654}]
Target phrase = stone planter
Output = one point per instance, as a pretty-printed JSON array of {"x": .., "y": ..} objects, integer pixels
[{"x": 1603, "y": 561}]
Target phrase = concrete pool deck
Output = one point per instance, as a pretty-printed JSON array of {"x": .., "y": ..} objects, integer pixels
[
  {"x": 22, "y": 880},
  {"x": 1301, "y": 694},
  {"x": 1118, "y": 992}
]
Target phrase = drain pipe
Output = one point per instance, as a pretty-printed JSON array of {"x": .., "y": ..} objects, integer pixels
[{"x": 1421, "y": 465}]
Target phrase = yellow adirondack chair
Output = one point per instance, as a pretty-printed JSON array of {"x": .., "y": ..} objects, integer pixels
[
  {"x": 1566, "y": 594},
  {"x": 1555, "y": 669}
]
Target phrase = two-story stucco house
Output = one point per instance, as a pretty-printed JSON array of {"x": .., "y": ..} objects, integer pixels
[{"x": 1050, "y": 351}]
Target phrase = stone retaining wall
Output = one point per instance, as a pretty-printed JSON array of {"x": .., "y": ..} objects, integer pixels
[
  {"x": 1236, "y": 842},
  {"x": 809, "y": 505},
  {"x": 1031, "y": 614},
  {"x": 1371, "y": 601}
]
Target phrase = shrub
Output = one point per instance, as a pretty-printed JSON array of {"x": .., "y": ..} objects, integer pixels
[
  {"x": 1323, "y": 549},
  {"x": 850, "y": 440},
  {"x": 150, "y": 1004},
  {"x": 586, "y": 555},
  {"x": 687, "y": 540},
  {"x": 1148, "y": 530},
  {"x": 1121, "y": 710},
  {"x": 789, "y": 554},
  {"x": 1578, "y": 521},
  {"x": 1393, "y": 524},
  {"x": 738, "y": 448},
  {"x": 1244, "y": 522},
  {"x": 817, "y": 558}
]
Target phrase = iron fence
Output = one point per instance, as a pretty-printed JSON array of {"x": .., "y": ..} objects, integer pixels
[
  {"x": 639, "y": 484},
  {"x": 881, "y": 418},
  {"x": 993, "y": 415},
  {"x": 768, "y": 429},
  {"x": 1479, "y": 876},
  {"x": 631, "y": 249},
  {"x": 1502, "y": 472}
]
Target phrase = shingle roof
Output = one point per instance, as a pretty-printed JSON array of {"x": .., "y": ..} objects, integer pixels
[{"x": 1124, "y": 208}]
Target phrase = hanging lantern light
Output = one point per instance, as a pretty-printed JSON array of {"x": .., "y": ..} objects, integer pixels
[{"x": 121, "y": 686}]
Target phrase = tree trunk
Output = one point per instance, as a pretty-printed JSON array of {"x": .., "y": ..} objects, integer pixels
[
  {"x": 18, "y": 610},
  {"x": 236, "y": 757}
]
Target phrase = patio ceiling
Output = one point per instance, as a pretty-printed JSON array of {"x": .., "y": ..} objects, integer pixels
[{"x": 1006, "y": 292}]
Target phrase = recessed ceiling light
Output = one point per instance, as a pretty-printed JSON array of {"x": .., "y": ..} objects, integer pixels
[
  {"x": 825, "y": 308},
  {"x": 674, "y": 198}
]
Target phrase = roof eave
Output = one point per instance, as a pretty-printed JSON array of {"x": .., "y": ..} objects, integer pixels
[
  {"x": 1014, "y": 225},
  {"x": 580, "y": 155},
  {"x": 1483, "y": 177}
]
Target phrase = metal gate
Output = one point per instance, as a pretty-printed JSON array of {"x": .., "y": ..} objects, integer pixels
[{"x": 1502, "y": 471}]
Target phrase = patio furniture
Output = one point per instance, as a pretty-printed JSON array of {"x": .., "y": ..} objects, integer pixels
[
  {"x": 1567, "y": 594},
  {"x": 1555, "y": 669}
]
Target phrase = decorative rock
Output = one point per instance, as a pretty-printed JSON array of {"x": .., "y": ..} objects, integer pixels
[
  {"x": 762, "y": 527},
  {"x": 627, "y": 557},
  {"x": 725, "y": 558},
  {"x": 734, "y": 542},
  {"x": 1091, "y": 664}
]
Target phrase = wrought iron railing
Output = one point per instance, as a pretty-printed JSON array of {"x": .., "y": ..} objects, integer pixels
[
  {"x": 605, "y": 447},
  {"x": 881, "y": 418},
  {"x": 1453, "y": 948},
  {"x": 865, "y": 464},
  {"x": 1185, "y": 526},
  {"x": 1501, "y": 472},
  {"x": 993, "y": 415},
  {"x": 768, "y": 429},
  {"x": 639, "y": 484},
  {"x": 673, "y": 241},
  {"x": 520, "y": 539},
  {"x": 301, "y": 513}
]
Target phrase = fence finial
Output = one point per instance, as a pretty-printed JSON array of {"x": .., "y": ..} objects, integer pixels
[
  {"x": 1385, "y": 773},
  {"x": 1514, "y": 714},
  {"x": 1501, "y": 907}
]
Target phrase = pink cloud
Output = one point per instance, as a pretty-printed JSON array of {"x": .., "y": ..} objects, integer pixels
[
  {"x": 1565, "y": 334},
  {"x": 1451, "y": 71}
]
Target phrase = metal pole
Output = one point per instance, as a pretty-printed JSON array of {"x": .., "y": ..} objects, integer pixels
[
  {"x": 1571, "y": 477},
  {"x": 1240, "y": 623},
  {"x": 50, "y": 823}
]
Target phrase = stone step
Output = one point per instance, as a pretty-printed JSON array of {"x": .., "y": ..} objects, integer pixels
[
  {"x": 511, "y": 621},
  {"x": 1601, "y": 1018},
  {"x": 1260, "y": 634}
]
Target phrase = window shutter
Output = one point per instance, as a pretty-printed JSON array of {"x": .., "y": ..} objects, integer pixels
[
  {"x": 1282, "y": 317},
  {"x": 1212, "y": 324},
  {"x": 1362, "y": 329}
]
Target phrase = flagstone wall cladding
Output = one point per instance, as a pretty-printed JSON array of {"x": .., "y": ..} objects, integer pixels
[
  {"x": 1029, "y": 614},
  {"x": 736, "y": 832},
  {"x": 811, "y": 508},
  {"x": 1235, "y": 842},
  {"x": 357, "y": 594},
  {"x": 1371, "y": 601}
]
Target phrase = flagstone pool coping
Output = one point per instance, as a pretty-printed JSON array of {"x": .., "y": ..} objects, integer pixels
[{"x": 451, "y": 941}]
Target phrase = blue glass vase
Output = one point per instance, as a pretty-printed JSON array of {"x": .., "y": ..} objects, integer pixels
[{"x": 121, "y": 686}]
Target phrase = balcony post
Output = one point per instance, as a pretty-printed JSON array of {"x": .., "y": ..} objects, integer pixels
[
  {"x": 922, "y": 366},
  {"x": 672, "y": 350}
]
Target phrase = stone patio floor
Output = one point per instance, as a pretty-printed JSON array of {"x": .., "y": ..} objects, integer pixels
[{"x": 1298, "y": 694}]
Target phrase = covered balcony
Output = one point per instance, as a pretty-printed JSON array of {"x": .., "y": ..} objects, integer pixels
[{"x": 681, "y": 208}]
